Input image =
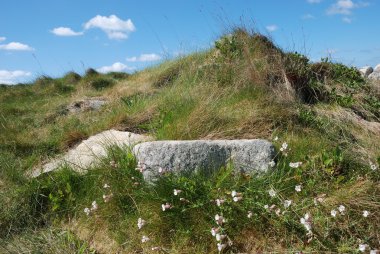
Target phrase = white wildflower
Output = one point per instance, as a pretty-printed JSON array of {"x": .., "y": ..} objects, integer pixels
[
  {"x": 161, "y": 170},
  {"x": 219, "y": 202},
  {"x": 87, "y": 211},
  {"x": 221, "y": 246},
  {"x": 157, "y": 248},
  {"x": 295, "y": 164},
  {"x": 237, "y": 199},
  {"x": 374, "y": 252},
  {"x": 140, "y": 223},
  {"x": 362, "y": 247},
  {"x": 333, "y": 213},
  {"x": 184, "y": 200},
  {"x": 287, "y": 203},
  {"x": 272, "y": 193},
  {"x": 106, "y": 186},
  {"x": 284, "y": 146},
  {"x": 250, "y": 214},
  {"x": 166, "y": 206},
  {"x": 341, "y": 209},
  {"x": 298, "y": 188},
  {"x": 220, "y": 237},
  {"x": 278, "y": 212},
  {"x": 107, "y": 198},
  {"x": 219, "y": 219},
  {"x": 365, "y": 214},
  {"x": 306, "y": 222},
  {"x": 215, "y": 231},
  {"x": 176, "y": 192},
  {"x": 266, "y": 207},
  {"x": 373, "y": 166},
  {"x": 275, "y": 138},
  {"x": 145, "y": 239},
  {"x": 94, "y": 206},
  {"x": 236, "y": 194},
  {"x": 272, "y": 164}
]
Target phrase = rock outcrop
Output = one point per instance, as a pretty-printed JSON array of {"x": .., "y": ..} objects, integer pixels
[
  {"x": 89, "y": 152},
  {"x": 246, "y": 155},
  {"x": 371, "y": 73},
  {"x": 86, "y": 105},
  {"x": 366, "y": 71}
]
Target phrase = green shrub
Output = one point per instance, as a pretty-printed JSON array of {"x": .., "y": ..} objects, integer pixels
[
  {"x": 71, "y": 77},
  {"x": 118, "y": 75},
  {"x": 101, "y": 83},
  {"x": 91, "y": 72}
]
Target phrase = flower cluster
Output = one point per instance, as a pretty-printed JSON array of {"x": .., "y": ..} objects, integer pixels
[{"x": 94, "y": 207}]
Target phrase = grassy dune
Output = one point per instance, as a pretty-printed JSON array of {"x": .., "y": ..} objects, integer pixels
[{"x": 244, "y": 87}]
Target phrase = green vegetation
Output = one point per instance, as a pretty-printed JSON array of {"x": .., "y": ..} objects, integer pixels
[{"x": 245, "y": 87}]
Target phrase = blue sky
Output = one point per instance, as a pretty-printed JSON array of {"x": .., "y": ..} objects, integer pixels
[{"x": 46, "y": 37}]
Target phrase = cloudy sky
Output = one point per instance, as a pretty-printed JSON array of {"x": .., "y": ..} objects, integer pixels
[{"x": 48, "y": 37}]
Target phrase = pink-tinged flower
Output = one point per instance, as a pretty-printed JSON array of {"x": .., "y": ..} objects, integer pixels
[
  {"x": 113, "y": 164},
  {"x": 176, "y": 192},
  {"x": 220, "y": 237},
  {"x": 306, "y": 222},
  {"x": 184, "y": 200},
  {"x": 342, "y": 209},
  {"x": 278, "y": 212},
  {"x": 215, "y": 231},
  {"x": 237, "y": 199},
  {"x": 250, "y": 214},
  {"x": 298, "y": 188},
  {"x": 219, "y": 202},
  {"x": 221, "y": 246},
  {"x": 141, "y": 167},
  {"x": 140, "y": 223},
  {"x": 166, "y": 206},
  {"x": 365, "y": 214},
  {"x": 107, "y": 198},
  {"x": 145, "y": 239},
  {"x": 236, "y": 194},
  {"x": 87, "y": 211},
  {"x": 219, "y": 219}
]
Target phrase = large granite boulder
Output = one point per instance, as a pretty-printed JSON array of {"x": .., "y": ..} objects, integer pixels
[
  {"x": 90, "y": 151},
  {"x": 176, "y": 156},
  {"x": 374, "y": 75}
]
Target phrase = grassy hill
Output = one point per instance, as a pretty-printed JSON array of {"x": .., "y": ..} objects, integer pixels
[{"x": 244, "y": 87}]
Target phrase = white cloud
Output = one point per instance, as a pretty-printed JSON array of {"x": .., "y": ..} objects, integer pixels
[
  {"x": 314, "y": 1},
  {"x": 308, "y": 16},
  {"x": 117, "y": 67},
  {"x": 271, "y": 28},
  {"x": 145, "y": 58},
  {"x": 16, "y": 46},
  {"x": 113, "y": 26},
  {"x": 65, "y": 31},
  {"x": 2, "y": 39},
  {"x": 13, "y": 77},
  {"x": 345, "y": 7}
]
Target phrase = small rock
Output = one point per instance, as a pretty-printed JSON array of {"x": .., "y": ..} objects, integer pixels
[
  {"x": 365, "y": 71},
  {"x": 176, "y": 156},
  {"x": 86, "y": 105}
]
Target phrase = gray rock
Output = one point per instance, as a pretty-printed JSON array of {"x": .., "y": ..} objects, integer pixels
[
  {"x": 377, "y": 68},
  {"x": 86, "y": 105},
  {"x": 90, "y": 151},
  {"x": 366, "y": 70},
  {"x": 374, "y": 75},
  {"x": 246, "y": 155}
]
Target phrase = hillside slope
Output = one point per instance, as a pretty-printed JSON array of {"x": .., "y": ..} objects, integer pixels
[{"x": 245, "y": 87}]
